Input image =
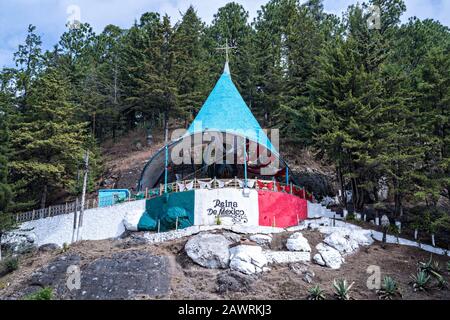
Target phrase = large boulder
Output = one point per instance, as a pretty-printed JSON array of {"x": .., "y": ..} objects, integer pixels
[
  {"x": 233, "y": 281},
  {"x": 297, "y": 242},
  {"x": 18, "y": 242},
  {"x": 209, "y": 250},
  {"x": 124, "y": 275},
  {"x": 347, "y": 240},
  {"x": 328, "y": 256},
  {"x": 247, "y": 259},
  {"x": 48, "y": 247},
  {"x": 342, "y": 242}
]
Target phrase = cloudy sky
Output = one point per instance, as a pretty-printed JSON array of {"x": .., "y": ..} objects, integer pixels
[{"x": 50, "y": 16}]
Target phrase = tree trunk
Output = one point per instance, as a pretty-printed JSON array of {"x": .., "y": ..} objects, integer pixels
[
  {"x": 398, "y": 204},
  {"x": 357, "y": 197},
  {"x": 341, "y": 182},
  {"x": 375, "y": 194},
  {"x": 44, "y": 196}
]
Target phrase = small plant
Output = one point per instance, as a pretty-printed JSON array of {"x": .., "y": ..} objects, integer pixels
[
  {"x": 420, "y": 281},
  {"x": 10, "y": 264},
  {"x": 65, "y": 247},
  {"x": 431, "y": 268},
  {"x": 3, "y": 285},
  {"x": 316, "y": 293},
  {"x": 442, "y": 283},
  {"x": 342, "y": 289},
  {"x": 218, "y": 221},
  {"x": 350, "y": 217},
  {"x": 42, "y": 294},
  {"x": 389, "y": 289}
]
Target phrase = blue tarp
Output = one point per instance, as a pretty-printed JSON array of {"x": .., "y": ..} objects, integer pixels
[{"x": 109, "y": 197}]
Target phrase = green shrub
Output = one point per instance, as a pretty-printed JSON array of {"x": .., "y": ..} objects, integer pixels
[
  {"x": 65, "y": 247},
  {"x": 316, "y": 293},
  {"x": 389, "y": 289},
  {"x": 350, "y": 217},
  {"x": 42, "y": 294},
  {"x": 342, "y": 289},
  {"x": 420, "y": 281},
  {"x": 10, "y": 264}
]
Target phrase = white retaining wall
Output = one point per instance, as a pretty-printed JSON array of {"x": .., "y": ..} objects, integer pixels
[{"x": 98, "y": 224}]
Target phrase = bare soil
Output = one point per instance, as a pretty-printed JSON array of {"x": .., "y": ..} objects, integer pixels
[{"x": 190, "y": 281}]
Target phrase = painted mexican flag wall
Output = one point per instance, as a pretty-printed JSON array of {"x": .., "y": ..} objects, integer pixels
[{"x": 232, "y": 206}]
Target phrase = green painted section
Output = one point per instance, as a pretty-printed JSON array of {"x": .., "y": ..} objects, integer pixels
[{"x": 166, "y": 209}]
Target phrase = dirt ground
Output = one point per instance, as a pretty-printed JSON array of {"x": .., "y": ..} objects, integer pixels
[{"x": 190, "y": 281}]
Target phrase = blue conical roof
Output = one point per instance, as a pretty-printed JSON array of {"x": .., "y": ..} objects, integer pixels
[{"x": 226, "y": 111}]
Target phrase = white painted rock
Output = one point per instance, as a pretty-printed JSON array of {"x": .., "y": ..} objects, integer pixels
[
  {"x": 362, "y": 237},
  {"x": 131, "y": 220},
  {"x": 297, "y": 242},
  {"x": 330, "y": 256},
  {"x": 19, "y": 242},
  {"x": 209, "y": 250},
  {"x": 287, "y": 256},
  {"x": 261, "y": 239},
  {"x": 319, "y": 260},
  {"x": 247, "y": 259},
  {"x": 341, "y": 241}
]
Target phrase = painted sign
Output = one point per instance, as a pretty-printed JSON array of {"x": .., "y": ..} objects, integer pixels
[{"x": 230, "y": 205}]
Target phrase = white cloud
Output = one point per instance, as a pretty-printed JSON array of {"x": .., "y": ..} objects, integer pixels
[{"x": 50, "y": 16}]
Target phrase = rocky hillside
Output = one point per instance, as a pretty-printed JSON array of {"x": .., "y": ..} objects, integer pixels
[{"x": 222, "y": 263}]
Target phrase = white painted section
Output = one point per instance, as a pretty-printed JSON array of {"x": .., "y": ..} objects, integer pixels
[
  {"x": 244, "y": 208},
  {"x": 98, "y": 224},
  {"x": 316, "y": 210},
  {"x": 324, "y": 225}
]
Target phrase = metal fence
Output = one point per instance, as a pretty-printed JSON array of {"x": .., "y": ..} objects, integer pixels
[
  {"x": 179, "y": 186},
  {"x": 55, "y": 210}
]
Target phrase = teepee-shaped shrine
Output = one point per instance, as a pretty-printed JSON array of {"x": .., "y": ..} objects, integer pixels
[
  {"x": 230, "y": 184},
  {"x": 224, "y": 112}
]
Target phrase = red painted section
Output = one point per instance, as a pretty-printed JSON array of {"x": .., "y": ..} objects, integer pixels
[{"x": 284, "y": 207}]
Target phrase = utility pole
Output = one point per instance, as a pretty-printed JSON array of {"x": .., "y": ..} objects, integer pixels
[{"x": 83, "y": 194}]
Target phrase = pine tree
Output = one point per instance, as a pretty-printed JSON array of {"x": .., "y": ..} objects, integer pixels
[
  {"x": 48, "y": 142},
  {"x": 6, "y": 221},
  {"x": 434, "y": 111},
  {"x": 304, "y": 38},
  {"x": 189, "y": 67},
  {"x": 230, "y": 24},
  {"x": 29, "y": 62}
]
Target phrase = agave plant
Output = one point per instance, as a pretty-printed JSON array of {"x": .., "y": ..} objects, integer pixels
[
  {"x": 420, "y": 280},
  {"x": 389, "y": 289},
  {"x": 316, "y": 293},
  {"x": 431, "y": 268},
  {"x": 342, "y": 289},
  {"x": 442, "y": 283}
]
